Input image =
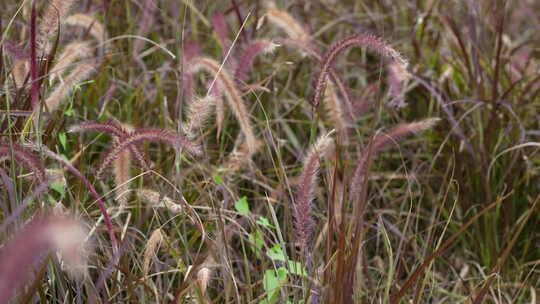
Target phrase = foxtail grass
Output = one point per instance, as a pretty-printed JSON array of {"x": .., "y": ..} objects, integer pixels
[
  {"x": 234, "y": 98},
  {"x": 369, "y": 41},
  {"x": 80, "y": 73}
]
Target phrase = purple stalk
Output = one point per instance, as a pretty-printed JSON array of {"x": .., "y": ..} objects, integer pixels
[{"x": 10, "y": 190}]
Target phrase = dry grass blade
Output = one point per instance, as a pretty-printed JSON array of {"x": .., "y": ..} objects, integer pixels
[{"x": 415, "y": 277}]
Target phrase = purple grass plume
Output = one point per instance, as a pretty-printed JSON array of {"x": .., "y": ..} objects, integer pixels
[
  {"x": 379, "y": 143},
  {"x": 222, "y": 31},
  {"x": 147, "y": 134},
  {"x": 23, "y": 158},
  {"x": 304, "y": 223},
  {"x": 247, "y": 57},
  {"x": 114, "y": 129},
  {"x": 369, "y": 41}
]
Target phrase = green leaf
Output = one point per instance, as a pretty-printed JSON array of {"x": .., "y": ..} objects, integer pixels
[
  {"x": 265, "y": 222},
  {"x": 242, "y": 206},
  {"x": 59, "y": 187},
  {"x": 63, "y": 140},
  {"x": 276, "y": 253},
  {"x": 217, "y": 179},
  {"x": 69, "y": 112},
  {"x": 272, "y": 280}
]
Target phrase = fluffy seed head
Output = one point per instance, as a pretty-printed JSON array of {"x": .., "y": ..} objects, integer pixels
[
  {"x": 288, "y": 24},
  {"x": 378, "y": 144},
  {"x": 158, "y": 201},
  {"x": 23, "y": 158},
  {"x": 232, "y": 94},
  {"x": 369, "y": 41},
  {"x": 72, "y": 52},
  {"x": 54, "y": 15},
  {"x": 80, "y": 73},
  {"x": 252, "y": 50},
  {"x": 151, "y": 248},
  {"x": 198, "y": 113},
  {"x": 147, "y": 134},
  {"x": 304, "y": 223}
]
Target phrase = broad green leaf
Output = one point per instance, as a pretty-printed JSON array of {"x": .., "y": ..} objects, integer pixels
[
  {"x": 272, "y": 280},
  {"x": 242, "y": 206},
  {"x": 276, "y": 253},
  {"x": 265, "y": 222},
  {"x": 59, "y": 187},
  {"x": 63, "y": 140},
  {"x": 217, "y": 179}
]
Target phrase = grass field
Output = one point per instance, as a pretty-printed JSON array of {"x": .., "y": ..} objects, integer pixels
[{"x": 243, "y": 151}]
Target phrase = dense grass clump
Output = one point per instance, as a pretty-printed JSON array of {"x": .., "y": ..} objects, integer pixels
[{"x": 174, "y": 151}]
